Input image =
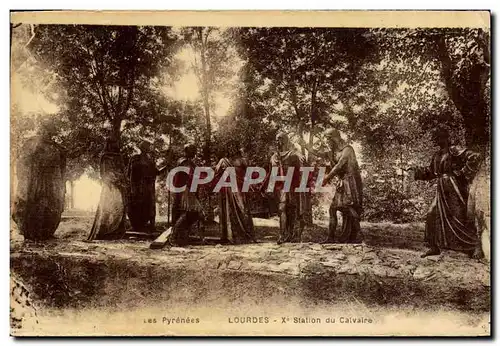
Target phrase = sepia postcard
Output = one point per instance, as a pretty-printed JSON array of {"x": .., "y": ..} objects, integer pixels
[{"x": 250, "y": 173}]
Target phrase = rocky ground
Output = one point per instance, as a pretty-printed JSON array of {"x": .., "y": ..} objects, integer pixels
[{"x": 385, "y": 271}]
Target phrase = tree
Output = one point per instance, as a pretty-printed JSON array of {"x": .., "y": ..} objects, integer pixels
[
  {"x": 462, "y": 56},
  {"x": 211, "y": 58},
  {"x": 105, "y": 80},
  {"x": 303, "y": 73},
  {"x": 465, "y": 60},
  {"x": 304, "y": 70},
  {"x": 99, "y": 71},
  {"x": 413, "y": 85}
]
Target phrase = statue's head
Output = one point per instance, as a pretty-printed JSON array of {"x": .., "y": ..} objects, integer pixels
[
  {"x": 441, "y": 136},
  {"x": 48, "y": 129},
  {"x": 189, "y": 150},
  {"x": 282, "y": 141},
  {"x": 232, "y": 148},
  {"x": 112, "y": 144},
  {"x": 145, "y": 147},
  {"x": 333, "y": 138}
]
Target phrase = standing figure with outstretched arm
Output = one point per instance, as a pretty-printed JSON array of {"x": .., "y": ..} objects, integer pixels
[
  {"x": 348, "y": 198},
  {"x": 446, "y": 225}
]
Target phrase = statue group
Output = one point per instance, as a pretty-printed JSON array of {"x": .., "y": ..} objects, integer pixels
[{"x": 129, "y": 189}]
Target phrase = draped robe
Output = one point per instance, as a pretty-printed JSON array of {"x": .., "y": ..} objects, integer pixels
[
  {"x": 109, "y": 221},
  {"x": 291, "y": 204},
  {"x": 186, "y": 208},
  {"x": 348, "y": 196},
  {"x": 235, "y": 219},
  {"x": 141, "y": 208},
  {"x": 447, "y": 226},
  {"x": 39, "y": 200}
]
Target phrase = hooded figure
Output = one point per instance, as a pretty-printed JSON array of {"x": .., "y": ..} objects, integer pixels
[
  {"x": 235, "y": 219},
  {"x": 109, "y": 221},
  {"x": 39, "y": 200},
  {"x": 141, "y": 175},
  {"x": 291, "y": 204}
]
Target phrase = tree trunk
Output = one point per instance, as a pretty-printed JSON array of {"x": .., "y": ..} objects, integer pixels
[
  {"x": 206, "y": 149},
  {"x": 208, "y": 129},
  {"x": 313, "y": 111},
  {"x": 295, "y": 103},
  {"x": 470, "y": 101},
  {"x": 116, "y": 128},
  {"x": 71, "y": 194},
  {"x": 206, "y": 103},
  {"x": 205, "y": 91}
]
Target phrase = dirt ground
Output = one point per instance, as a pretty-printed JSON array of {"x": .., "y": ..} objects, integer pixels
[
  {"x": 382, "y": 275},
  {"x": 77, "y": 225}
]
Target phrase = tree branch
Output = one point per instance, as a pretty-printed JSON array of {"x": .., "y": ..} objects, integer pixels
[
  {"x": 209, "y": 30},
  {"x": 130, "y": 93},
  {"x": 96, "y": 75},
  {"x": 120, "y": 95},
  {"x": 93, "y": 95},
  {"x": 99, "y": 72},
  {"x": 32, "y": 27}
]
